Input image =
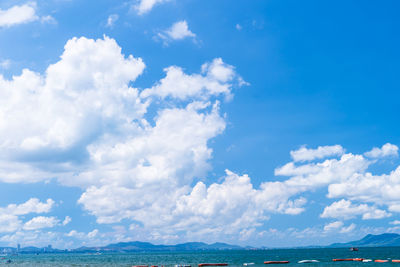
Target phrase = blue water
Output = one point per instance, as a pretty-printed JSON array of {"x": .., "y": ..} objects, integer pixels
[{"x": 233, "y": 258}]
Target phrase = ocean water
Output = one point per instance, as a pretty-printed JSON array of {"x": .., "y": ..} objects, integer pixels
[{"x": 233, "y": 258}]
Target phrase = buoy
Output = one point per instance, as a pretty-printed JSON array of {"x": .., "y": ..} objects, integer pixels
[{"x": 275, "y": 262}]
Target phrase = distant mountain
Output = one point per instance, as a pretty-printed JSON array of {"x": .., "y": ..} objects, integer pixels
[
  {"x": 145, "y": 246},
  {"x": 383, "y": 240}
]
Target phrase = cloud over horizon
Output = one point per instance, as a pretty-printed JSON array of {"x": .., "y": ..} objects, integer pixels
[{"x": 93, "y": 130}]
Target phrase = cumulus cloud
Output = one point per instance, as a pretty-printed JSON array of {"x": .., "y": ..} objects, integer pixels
[
  {"x": 144, "y": 6},
  {"x": 216, "y": 78},
  {"x": 305, "y": 154},
  {"x": 385, "y": 151},
  {"x": 333, "y": 226},
  {"x": 22, "y": 14},
  {"x": 40, "y": 222},
  {"x": 178, "y": 31},
  {"x": 9, "y": 223},
  {"x": 18, "y": 15},
  {"x": 84, "y": 105},
  {"x": 90, "y": 128},
  {"x": 10, "y": 220},
  {"x": 380, "y": 189},
  {"x": 79, "y": 97},
  {"x": 33, "y": 205},
  {"x": 344, "y": 209}
]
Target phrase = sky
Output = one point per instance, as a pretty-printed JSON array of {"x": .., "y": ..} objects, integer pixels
[{"x": 265, "y": 123}]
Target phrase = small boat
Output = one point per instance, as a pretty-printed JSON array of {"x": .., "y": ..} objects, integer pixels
[
  {"x": 398, "y": 261},
  {"x": 308, "y": 261},
  {"x": 381, "y": 260},
  {"x": 366, "y": 260},
  {"x": 353, "y": 249},
  {"x": 212, "y": 264},
  {"x": 350, "y": 259},
  {"x": 275, "y": 262},
  {"x": 248, "y": 263},
  {"x": 182, "y": 265}
]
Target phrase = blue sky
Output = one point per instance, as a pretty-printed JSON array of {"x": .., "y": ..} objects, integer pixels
[{"x": 267, "y": 123}]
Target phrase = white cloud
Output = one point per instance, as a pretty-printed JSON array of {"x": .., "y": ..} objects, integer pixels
[
  {"x": 305, "y": 154},
  {"x": 93, "y": 233},
  {"x": 48, "y": 19},
  {"x": 344, "y": 209},
  {"x": 10, "y": 220},
  {"x": 111, "y": 20},
  {"x": 33, "y": 205},
  {"x": 79, "y": 97},
  {"x": 385, "y": 151},
  {"x": 338, "y": 227},
  {"x": 18, "y": 15},
  {"x": 217, "y": 78},
  {"x": 90, "y": 128},
  {"x": 178, "y": 31},
  {"x": 380, "y": 189},
  {"x": 67, "y": 220},
  {"x": 395, "y": 222},
  {"x": 9, "y": 223},
  {"x": 238, "y": 27},
  {"x": 348, "y": 229},
  {"x": 22, "y": 14},
  {"x": 333, "y": 226},
  {"x": 144, "y": 6},
  {"x": 40, "y": 222}
]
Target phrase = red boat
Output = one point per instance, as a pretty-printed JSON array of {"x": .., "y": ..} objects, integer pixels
[
  {"x": 380, "y": 260},
  {"x": 275, "y": 262},
  {"x": 352, "y": 259},
  {"x": 396, "y": 261}
]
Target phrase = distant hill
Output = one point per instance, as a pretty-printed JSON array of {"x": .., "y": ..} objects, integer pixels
[
  {"x": 145, "y": 246},
  {"x": 383, "y": 240}
]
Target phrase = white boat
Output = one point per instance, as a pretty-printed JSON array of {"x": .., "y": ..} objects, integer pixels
[
  {"x": 248, "y": 263},
  {"x": 308, "y": 261}
]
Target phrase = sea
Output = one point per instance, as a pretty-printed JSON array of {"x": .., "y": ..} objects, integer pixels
[{"x": 235, "y": 258}]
